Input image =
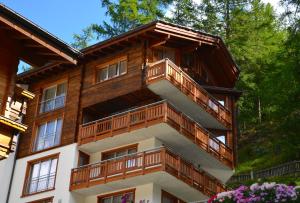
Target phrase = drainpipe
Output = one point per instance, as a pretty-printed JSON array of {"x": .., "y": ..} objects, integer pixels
[{"x": 13, "y": 169}]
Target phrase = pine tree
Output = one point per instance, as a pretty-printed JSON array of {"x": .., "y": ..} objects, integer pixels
[
  {"x": 123, "y": 15},
  {"x": 184, "y": 13}
]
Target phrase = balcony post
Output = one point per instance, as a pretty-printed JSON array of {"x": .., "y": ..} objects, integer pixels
[
  {"x": 178, "y": 166},
  {"x": 166, "y": 68},
  {"x": 163, "y": 158},
  {"x": 88, "y": 169},
  {"x": 128, "y": 121},
  {"x": 112, "y": 126},
  {"x": 105, "y": 171},
  {"x": 143, "y": 163},
  {"x": 124, "y": 167}
]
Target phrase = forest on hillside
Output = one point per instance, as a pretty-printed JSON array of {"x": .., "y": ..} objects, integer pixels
[{"x": 265, "y": 45}]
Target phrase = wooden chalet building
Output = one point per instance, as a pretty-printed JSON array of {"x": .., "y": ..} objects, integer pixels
[{"x": 149, "y": 115}]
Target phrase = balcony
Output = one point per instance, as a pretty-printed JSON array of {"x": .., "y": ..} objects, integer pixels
[
  {"x": 163, "y": 121},
  {"x": 170, "y": 82},
  {"x": 159, "y": 165}
]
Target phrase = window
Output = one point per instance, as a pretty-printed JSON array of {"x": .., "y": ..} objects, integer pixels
[
  {"x": 41, "y": 175},
  {"x": 48, "y": 135},
  {"x": 45, "y": 200},
  {"x": 118, "y": 197},
  {"x": 222, "y": 139},
  {"x": 112, "y": 71},
  {"x": 119, "y": 152},
  {"x": 53, "y": 98},
  {"x": 162, "y": 53}
]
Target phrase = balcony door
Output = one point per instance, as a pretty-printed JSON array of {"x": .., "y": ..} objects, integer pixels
[{"x": 160, "y": 53}]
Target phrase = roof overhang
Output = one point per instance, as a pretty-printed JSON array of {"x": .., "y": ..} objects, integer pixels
[
  {"x": 159, "y": 32},
  {"x": 37, "y": 46}
]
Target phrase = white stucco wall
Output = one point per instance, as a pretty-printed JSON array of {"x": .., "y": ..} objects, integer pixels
[
  {"x": 67, "y": 160},
  {"x": 6, "y": 167},
  {"x": 148, "y": 193},
  {"x": 143, "y": 145}
]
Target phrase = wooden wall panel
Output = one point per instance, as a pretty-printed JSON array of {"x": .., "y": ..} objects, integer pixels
[
  {"x": 68, "y": 113},
  {"x": 95, "y": 93}
]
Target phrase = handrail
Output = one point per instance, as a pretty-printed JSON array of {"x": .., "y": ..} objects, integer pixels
[
  {"x": 178, "y": 77},
  {"x": 212, "y": 97},
  {"x": 123, "y": 112},
  {"x": 161, "y": 111},
  {"x": 157, "y": 159}
]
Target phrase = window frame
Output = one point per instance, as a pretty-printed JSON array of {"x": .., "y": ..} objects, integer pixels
[
  {"x": 28, "y": 174},
  {"x": 106, "y": 66},
  {"x": 36, "y": 133},
  {"x": 120, "y": 149},
  {"x": 42, "y": 101},
  {"x": 101, "y": 197},
  {"x": 167, "y": 194},
  {"x": 49, "y": 199}
]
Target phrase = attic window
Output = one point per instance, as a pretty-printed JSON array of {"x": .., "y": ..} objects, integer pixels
[{"x": 112, "y": 70}]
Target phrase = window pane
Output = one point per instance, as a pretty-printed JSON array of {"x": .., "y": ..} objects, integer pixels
[
  {"x": 112, "y": 70},
  {"x": 132, "y": 151},
  {"x": 121, "y": 153},
  {"x": 117, "y": 199},
  {"x": 43, "y": 177},
  {"x": 58, "y": 132},
  {"x": 61, "y": 89},
  {"x": 222, "y": 139},
  {"x": 48, "y": 135},
  {"x": 123, "y": 67},
  {"x": 40, "y": 137},
  {"x": 102, "y": 74},
  {"x": 49, "y": 93},
  {"x": 106, "y": 200}
]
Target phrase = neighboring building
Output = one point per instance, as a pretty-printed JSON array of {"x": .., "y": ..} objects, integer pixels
[{"x": 149, "y": 115}]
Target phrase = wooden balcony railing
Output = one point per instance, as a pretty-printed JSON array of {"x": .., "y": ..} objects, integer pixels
[
  {"x": 150, "y": 115},
  {"x": 151, "y": 161},
  {"x": 166, "y": 69}
]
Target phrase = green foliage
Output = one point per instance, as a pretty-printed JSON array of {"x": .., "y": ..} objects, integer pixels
[
  {"x": 123, "y": 15},
  {"x": 185, "y": 13},
  {"x": 266, "y": 50}
]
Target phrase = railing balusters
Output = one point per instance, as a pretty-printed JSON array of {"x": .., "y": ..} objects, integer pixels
[{"x": 186, "y": 84}]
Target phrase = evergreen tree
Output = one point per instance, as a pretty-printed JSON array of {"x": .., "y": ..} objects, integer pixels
[
  {"x": 184, "y": 13},
  {"x": 123, "y": 15},
  {"x": 216, "y": 15}
]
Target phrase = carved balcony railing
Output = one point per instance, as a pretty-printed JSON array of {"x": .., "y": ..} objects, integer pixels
[
  {"x": 160, "y": 159},
  {"x": 166, "y": 69},
  {"x": 160, "y": 112}
]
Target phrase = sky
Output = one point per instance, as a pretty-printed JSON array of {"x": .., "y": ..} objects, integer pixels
[{"x": 64, "y": 18}]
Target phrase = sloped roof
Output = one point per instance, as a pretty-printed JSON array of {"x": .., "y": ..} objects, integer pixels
[{"x": 34, "y": 40}]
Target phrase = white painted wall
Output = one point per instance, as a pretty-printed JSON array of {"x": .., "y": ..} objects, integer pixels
[
  {"x": 143, "y": 145},
  {"x": 68, "y": 158},
  {"x": 148, "y": 193},
  {"x": 6, "y": 167}
]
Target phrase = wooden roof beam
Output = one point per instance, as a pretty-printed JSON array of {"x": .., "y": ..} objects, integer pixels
[{"x": 159, "y": 41}]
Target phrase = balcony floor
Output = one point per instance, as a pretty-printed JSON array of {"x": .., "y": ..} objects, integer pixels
[
  {"x": 164, "y": 179},
  {"x": 167, "y": 90},
  {"x": 169, "y": 135}
]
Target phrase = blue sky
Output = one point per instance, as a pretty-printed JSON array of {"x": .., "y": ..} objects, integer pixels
[{"x": 62, "y": 18}]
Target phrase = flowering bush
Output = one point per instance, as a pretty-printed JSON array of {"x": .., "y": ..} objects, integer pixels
[{"x": 264, "y": 193}]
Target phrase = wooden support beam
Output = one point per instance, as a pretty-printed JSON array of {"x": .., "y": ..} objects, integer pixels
[{"x": 159, "y": 42}]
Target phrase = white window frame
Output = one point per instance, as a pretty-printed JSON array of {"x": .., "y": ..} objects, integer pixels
[
  {"x": 99, "y": 71},
  {"x": 56, "y": 134},
  {"x": 43, "y": 102}
]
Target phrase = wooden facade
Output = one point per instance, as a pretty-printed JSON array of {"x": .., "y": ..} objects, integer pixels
[{"x": 107, "y": 93}]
